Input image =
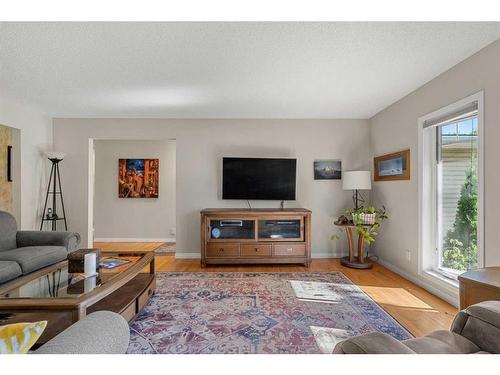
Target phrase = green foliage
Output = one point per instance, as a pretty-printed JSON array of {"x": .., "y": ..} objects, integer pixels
[
  {"x": 460, "y": 244},
  {"x": 334, "y": 237},
  {"x": 368, "y": 231}
]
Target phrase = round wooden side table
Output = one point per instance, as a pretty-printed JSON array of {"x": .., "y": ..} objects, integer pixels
[{"x": 352, "y": 260}]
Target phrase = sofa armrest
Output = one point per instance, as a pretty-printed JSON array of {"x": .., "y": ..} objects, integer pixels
[
  {"x": 487, "y": 311},
  {"x": 459, "y": 322},
  {"x": 480, "y": 324},
  {"x": 372, "y": 343},
  {"x": 70, "y": 240},
  {"x": 102, "y": 332}
]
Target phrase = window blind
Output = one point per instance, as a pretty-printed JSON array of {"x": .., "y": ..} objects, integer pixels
[{"x": 469, "y": 110}]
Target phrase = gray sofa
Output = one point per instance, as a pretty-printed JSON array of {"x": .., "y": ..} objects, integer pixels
[
  {"x": 22, "y": 252},
  {"x": 102, "y": 332},
  {"x": 474, "y": 330}
]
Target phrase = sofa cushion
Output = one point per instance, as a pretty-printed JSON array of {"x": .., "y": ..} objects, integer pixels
[
  {"x": 32, "y": 258},
  {"x": 487, "y": 311},
  {"x": 70, "y": 240},
  {"x": 442, "y": 342},
  {"x": 9, "y": 270},
  {"x": 372, "y": 343},
  {"x": 8, "y": 231}
]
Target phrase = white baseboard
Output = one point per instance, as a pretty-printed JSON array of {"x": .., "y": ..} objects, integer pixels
[
  {"x": 187, "y": 255},
  {"x": 313, "y": 256},
  {"x": 170, "y": 240},
  {"x": 326, "y": 255},
  {"x": 451, "y": 298}
]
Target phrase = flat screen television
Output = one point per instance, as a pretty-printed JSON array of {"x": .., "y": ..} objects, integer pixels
[{"x": 258, "y": 178}]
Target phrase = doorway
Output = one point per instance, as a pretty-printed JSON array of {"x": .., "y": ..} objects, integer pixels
[{"x": 132, "y": 195}]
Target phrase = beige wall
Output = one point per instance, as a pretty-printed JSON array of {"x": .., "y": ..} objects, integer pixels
[
  {"x": 33, "y": 132},
  {"x": 200, "y": 146},
  {"x": 395, "y": 128},
  {"x": 120, "y": 218}
]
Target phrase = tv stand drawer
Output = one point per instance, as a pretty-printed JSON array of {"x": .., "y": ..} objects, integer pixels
[
  {"x": 289, "y": 250},
  {"x": 223, "y": 250},
  {"x": 256, "y": 250}
]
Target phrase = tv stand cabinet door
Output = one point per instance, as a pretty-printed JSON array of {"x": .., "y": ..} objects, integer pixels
[{"x": 279, "y": 224}]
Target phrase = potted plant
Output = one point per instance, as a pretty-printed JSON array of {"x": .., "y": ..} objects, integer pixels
[{"x": 366, "y": 220}]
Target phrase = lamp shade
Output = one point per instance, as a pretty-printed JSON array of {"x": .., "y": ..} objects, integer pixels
[
  {"x": 55, "y": 155},
  {"x": 356, "y": 180}
]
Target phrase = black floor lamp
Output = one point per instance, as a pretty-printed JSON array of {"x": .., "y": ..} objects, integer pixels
[{"x": 54, "y": 190}]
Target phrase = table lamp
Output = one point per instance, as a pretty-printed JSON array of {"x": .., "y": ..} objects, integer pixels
[{"x": 356, "y": 180}]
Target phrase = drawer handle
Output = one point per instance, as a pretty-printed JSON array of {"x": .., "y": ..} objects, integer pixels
[
  {"x": 290, "y": 249},
  {"x": 256, "y": 249}
]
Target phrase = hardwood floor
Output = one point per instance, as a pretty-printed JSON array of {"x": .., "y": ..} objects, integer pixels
[{"x": 419, "y": 311}]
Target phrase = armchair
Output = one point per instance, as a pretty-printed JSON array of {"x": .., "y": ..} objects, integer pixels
[{"x": 474, "y": 330}]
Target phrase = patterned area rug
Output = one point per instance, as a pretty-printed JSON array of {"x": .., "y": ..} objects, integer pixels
[
  {"x": 166, "y": 248},
  {"x": 256, "y": 313}
]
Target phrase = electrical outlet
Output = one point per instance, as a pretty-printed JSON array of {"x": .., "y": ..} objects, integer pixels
[
  {"x": 408, "y": 255},
  {"x": 172, "y": 231}
]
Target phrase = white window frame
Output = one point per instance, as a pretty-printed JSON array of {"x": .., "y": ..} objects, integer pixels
[{"x": 427, "y": 194}]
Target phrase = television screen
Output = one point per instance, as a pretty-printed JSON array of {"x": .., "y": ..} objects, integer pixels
[{"x": 255, "y": 178}]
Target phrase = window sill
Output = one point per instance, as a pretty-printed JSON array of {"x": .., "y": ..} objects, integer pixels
[{"x": 437, "y": 277}]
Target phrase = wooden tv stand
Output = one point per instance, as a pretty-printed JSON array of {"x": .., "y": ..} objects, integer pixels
[{"x": 255, "y": 236}]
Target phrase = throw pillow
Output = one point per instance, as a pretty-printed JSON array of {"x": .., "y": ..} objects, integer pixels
[{"x": 18, "y": 338}]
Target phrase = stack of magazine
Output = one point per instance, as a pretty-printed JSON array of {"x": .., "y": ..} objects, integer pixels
[{"x": 112, "y": 262}]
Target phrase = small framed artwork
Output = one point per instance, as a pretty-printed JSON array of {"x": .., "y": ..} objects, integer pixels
[
  {"x": 327, "y": 169},
  {"x": 392, "y": 167},
  {"x": 138, "y": 178}
]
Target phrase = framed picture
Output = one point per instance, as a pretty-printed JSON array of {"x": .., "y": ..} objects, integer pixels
[
  {"x": 327, "y": 169},
  {"x": 391, "y": 167},
  {"x": 138, "y": 178},
  {"x": 9, "y": 163}
]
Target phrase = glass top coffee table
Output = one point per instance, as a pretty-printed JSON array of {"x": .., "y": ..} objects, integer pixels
[{"x": 62, "y": 298}]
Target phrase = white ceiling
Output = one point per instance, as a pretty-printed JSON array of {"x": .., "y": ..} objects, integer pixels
[{"x": 228, "y": 70}]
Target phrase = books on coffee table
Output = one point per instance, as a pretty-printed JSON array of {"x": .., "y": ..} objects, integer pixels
[{"x": 112, "y": 262}]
